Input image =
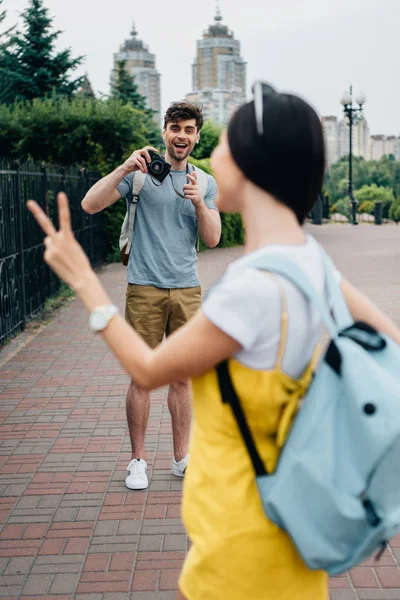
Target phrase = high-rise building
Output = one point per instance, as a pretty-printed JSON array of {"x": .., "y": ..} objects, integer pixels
[
  {"x": 337, "y": 139},
  {"x": 219, "y": 73},
  {"x": 391, "y": 145},
  {"x": 397, "y": 152},
  {"x": 382, "y": 145},
  {"x": 361, "y": 140},
  {"x": 330, "y": 127},
  {"x": 142, "y": 65},
  {"x": 377, "y": 146}
]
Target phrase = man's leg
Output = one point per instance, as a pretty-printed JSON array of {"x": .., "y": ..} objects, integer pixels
[
  {"x": 183, "y": 306},
  {"x": 179, "y": 404},
  {"x": 137, "y": 414},
  {"x": 146, "y": 311}
]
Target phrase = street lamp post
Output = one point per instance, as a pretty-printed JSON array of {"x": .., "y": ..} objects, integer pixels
[{"x": 354, "y": 115}]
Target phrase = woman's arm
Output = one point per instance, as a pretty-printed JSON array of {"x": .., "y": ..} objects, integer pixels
[
  {"x": 362, "y": 309},
  {"x": 192, "y": 350}
]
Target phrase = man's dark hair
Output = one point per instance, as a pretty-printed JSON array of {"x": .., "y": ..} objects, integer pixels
[{"x": 183, "y": 111}]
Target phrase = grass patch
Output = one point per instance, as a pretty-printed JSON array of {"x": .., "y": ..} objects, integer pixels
[{"x": 64, "y": 295}]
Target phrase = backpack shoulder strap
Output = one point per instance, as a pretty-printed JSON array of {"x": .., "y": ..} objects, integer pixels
[
  {"x": 339, "y": 306},
  {"x": 138, "y": 182},
  {"x": 202, "y": 179},
  {"x": 279, "y": 264},
  {"x": 137, "y": 185}
]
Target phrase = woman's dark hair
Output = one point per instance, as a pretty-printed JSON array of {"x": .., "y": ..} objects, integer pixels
[
  {"x": 183, "y": 111},
  {"x": 288, "y": 160}
]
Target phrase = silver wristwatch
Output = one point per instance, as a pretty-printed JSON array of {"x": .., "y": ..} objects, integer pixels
[{"x": 101, "y": 316}]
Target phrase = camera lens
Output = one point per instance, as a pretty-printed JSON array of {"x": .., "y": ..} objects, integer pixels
[{"x": 157, "y": 166}]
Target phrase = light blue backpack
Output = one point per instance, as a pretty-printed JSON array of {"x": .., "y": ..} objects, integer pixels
[{"x": 336, "y": 489}]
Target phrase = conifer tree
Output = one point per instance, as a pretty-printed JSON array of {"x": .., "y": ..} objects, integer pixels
[
  {"x": 29, "y": 66},
  {"x": 123, "y": 87}
]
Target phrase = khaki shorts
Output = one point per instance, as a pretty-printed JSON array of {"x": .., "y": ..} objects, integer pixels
[{"x": 153, "y": 312}]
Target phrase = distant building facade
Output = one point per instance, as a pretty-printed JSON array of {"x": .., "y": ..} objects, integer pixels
[
  {"x": 337, "y": 139},
  {"x": 330, "y": 126},
  {"x": 142, "y": 65},
  {"x": 218, "y": 73},
  {"x": 385, "y": 145}
]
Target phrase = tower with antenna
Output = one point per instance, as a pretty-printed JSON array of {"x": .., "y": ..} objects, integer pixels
[
  {"x": 218, "y": 72},
  {"x": 141, "y": 63}
]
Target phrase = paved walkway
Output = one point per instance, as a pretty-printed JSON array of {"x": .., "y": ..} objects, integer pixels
[{"x": 71, "y": 529}]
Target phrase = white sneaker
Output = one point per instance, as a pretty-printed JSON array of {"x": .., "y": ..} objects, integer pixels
[
  {"x": 179, "y": 468},
  {"x": 137, "y": 478}
]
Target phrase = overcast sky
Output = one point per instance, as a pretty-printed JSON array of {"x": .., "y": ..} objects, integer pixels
[{"x": 314, "y": 48}]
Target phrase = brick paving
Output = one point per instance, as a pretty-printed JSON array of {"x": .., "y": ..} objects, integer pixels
[{"x": 70, "y": 528}]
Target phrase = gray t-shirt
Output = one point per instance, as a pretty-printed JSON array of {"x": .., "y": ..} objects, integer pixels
[{"x": 163, "y": 252}]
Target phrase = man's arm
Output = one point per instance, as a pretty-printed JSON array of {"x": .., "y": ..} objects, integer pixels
[
  {"x": 209, "y": 223},
  {"x": 208, "y": 219},
  {"x": 104, "y": 193}
]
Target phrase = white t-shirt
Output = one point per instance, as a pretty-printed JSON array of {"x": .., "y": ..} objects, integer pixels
[{"x": 247, "y": 305}]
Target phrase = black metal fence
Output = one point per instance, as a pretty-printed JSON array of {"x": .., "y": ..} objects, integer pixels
[{"x": 25, "y": 280}]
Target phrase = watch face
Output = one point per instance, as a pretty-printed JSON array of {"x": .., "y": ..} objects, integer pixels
[{"x": 98, "y": 320}]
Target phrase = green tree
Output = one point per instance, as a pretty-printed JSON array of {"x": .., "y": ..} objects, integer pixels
[
  {"x": 384, "y": 173},
  {"x": 29, "y": 66},
  {"x": 209, "y": 138},
  {"x": 124, "y": 88},
  {"x": 4, "y": 35}
]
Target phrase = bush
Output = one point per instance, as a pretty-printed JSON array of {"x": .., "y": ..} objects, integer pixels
[
  {"x": 203, "y": 163},
  {"x": 367, "y": 207},
  {"x": 209, "y": 138},
  {"x": 369, "y": 194},
  {"x": 394, "y": 212},
  {"x": 232, "y": 233},
  {"x": 342, "y": 207},
  {"x": 91, "y": 133}
]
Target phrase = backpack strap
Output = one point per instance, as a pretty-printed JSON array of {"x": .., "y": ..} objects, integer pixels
[
  {"x": 138, "y": 182},
  {"x": 229, "y": 396},
  {"x": 341, "y": 311},
  {"x": 284, "y": 320},
  {"x": 202, "y": 179},
  {"x": 277, "y": 263}
]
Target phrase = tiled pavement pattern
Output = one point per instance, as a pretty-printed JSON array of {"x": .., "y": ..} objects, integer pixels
[{"x": 70, "y": 528}]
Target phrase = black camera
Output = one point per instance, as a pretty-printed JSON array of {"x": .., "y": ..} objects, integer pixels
[{"x": 158, "y": 167}]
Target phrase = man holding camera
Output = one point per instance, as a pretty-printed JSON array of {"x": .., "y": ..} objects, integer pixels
[{"x": 163, "y": 286}]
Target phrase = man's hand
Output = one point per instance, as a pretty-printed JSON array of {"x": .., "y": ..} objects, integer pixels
[
  {"x": 138, "y": 160},
  {"x": 191, "y": 190}
]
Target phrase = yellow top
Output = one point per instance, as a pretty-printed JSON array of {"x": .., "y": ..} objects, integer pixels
[{"x": 237, "y": 553}]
